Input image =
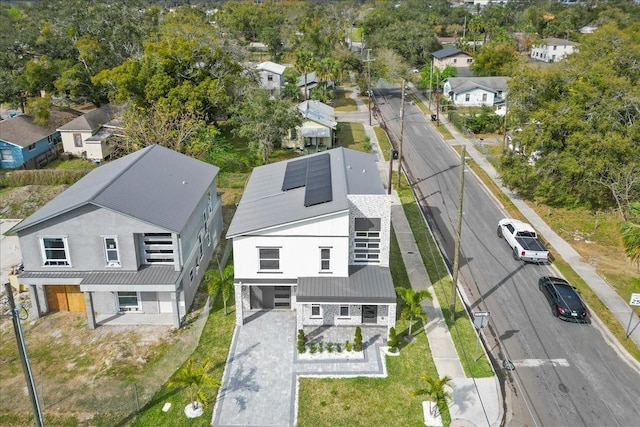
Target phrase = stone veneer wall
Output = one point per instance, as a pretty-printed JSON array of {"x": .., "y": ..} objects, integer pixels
[
  {"x": 368, "y": 206},
  {"x": 386, "y": 315}
]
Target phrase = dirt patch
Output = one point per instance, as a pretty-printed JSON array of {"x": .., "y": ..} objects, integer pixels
[{"x": 20, "y": 202}]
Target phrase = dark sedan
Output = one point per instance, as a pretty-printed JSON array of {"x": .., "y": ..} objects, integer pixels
[{"x": 564, "y": 300}]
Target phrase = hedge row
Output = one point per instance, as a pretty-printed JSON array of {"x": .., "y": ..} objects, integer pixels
[{"x": 20, "y": 178}]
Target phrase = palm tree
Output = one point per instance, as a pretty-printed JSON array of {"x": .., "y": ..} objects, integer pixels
[
  {"x": 412, "y": 300},
  {"x": 195, "y": 379},
  {"x": 435, "y": 390},
  {"x": 220, "y": 281},
  {"x": 303, "y": 63}
]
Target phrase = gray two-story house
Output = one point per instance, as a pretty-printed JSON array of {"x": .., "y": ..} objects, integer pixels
[{"x": 128, "y": 243}]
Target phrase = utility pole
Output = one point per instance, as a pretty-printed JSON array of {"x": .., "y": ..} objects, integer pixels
[
  {"x": 369, "y": 82},
  {"x": 438, "y": 101},
  {"x": 390, "y": 170},
  {"x": 24, "y": 358},
  {"x": 504, "y": 124},
  {"x": 401, "y": 133},
  {"x": 431, "y": 84},
  {"x": 456, "y": 250}
]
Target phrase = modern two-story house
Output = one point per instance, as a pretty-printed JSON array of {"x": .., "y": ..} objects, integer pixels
[
  {"x": 128, "y": 243},
  {"x": 312, "y": 235}
]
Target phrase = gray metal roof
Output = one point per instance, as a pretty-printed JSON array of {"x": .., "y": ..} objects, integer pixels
[
  {"x": 365, "y": 284},
  {"x": 491, "y": 84},
  {"x": 155, "y": 185},
  {"x": 319, "y": 112},
  {"x": 147, "y": 275},
  {"x": 91, "y": 121},
  {"x": 264, "y": 204},
  {"x": 447, "y": 52}
]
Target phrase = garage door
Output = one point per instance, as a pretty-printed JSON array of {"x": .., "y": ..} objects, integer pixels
[{"x": 65, "y": 298}]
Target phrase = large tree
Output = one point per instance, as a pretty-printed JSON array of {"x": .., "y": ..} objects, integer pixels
[
  {"x": 264, "y": 122},
  {"x": 495, "y": 59},
  {"x": 577, "y": 128}
]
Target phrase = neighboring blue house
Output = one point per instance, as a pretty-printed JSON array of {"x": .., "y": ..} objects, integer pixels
[{"x": 27, "y": 145}]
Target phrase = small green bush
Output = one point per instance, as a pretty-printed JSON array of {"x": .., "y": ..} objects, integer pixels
[
  {"x": 339, "y": 347},
  {"x": 313, "y": 348},
  {"x": 330, "y": 347},
  {"x": 392, "y": 342},
  {"x": 301, "y": 341},
  {"x": 320, "y": 347},
  {"x": 348, "y": 346},
  {"x": 357, "y": 341}
]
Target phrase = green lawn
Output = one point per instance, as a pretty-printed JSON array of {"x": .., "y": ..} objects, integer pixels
[
  {"x": 342, "y": 101},
  {"x": 331, "y": 402}
]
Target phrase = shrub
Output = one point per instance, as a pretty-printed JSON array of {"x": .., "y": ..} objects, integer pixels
[
  {"x": 357, "y": 340},
  {"x": 348, "y": 346},
  {"x": 320, "y": 347},
  {"x": 339, "y": 347},
  {"x": 392, "y": 342},
  {"x": 330, "y": 347},
  {"x": 313, "y": 348},
  {"x": 301, "y": 340},
  {"x": 367, "y": 144}
]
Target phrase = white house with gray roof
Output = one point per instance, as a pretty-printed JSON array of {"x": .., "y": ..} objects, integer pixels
[
  {"x": 552, "y": 49},
  {"x": 128, "y": 243},
  {"x": 88, "y": 135},
  {"x": 271, "y": 76},
  {"x": 318, "y": 128},
  {"x": 476, "y": 91},
  {"x": 312, "y": 235}
]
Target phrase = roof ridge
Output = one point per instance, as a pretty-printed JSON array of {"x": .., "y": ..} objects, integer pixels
[{"x": 119, "y": 174}]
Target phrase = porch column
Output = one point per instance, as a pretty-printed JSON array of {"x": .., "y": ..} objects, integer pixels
[
  {"x": 35, "y": 302},
  {"x": 91, "y": 315},
  {"x": 239, "y": 306},
  {"x": 175, "y": 301}
]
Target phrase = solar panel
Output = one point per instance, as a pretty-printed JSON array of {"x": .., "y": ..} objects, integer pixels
[
  {"x": 295, "y": 175},
  {"x": 318, "y": 186}
]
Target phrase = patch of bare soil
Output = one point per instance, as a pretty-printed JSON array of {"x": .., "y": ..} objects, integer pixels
[{"x": 20, "y": 202}]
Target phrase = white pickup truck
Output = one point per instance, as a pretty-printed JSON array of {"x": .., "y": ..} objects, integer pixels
[{"x": 523, "y": 240}]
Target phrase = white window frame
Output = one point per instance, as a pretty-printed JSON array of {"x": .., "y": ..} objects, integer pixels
[
  {"x": 53, "y": 262},
  {"x": 340, "y": 311},
  {"x": 108, "y": 262},
  {"x": 6, "y": 154},
  {"x": 267, "y": 259},
  {"x": 324, "y": 260},
  {"x": 128, "y": 308},
  {"x": 319, "y": 308}
]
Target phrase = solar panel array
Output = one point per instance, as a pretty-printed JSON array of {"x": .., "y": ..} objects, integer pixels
[{"x": 313, "y": 173}]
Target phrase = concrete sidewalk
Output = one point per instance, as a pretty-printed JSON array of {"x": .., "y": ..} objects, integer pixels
[
  {"x": 618, "y": 307},
  {"x": 475, "y": 401}
]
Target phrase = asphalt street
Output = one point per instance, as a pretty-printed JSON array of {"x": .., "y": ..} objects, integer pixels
[{"x": 565, "y": 373}]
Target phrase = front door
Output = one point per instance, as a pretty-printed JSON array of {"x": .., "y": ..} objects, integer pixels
[
  {"x": 65, "y": 298},
  {"x": 261, "y": 297},
  {"x": 369, "y": 314}
]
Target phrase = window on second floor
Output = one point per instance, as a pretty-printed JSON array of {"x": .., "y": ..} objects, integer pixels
[
  {"x": 111, "y": 252},
  {"x": 484, "y": 97},
  {"x": 455, "y": 60},
  {"x": 158, "y": 248},
  {"x": 55, "y": 251},
  {"x": 555, "y": 47},
  {"x": 270, "y": 77},
  {"x": 367, "y": 240},
  {"x": 467, "y": 97},
  {"x": 325, "y": 259},
  {"x": 269, "y": 258},
  {"x": 294, "y": 134},
  {"x": 32, "y": 147},
  {"x": 77, "y": 140}
]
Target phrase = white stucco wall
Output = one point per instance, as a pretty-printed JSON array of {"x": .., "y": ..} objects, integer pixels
[
  {"x": 475, "y": 98},
  {"x": 299, "y": 246}
]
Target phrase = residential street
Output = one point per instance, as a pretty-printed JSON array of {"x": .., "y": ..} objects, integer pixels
[{"x": 565, "y": 373}]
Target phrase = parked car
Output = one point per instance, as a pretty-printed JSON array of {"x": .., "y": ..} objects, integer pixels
[
  {"x": 564, "y": 300},
  {"x": 523, "y": 240}
]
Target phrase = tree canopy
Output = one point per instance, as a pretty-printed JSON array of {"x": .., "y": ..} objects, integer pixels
[{"x": 578, "y": 129}]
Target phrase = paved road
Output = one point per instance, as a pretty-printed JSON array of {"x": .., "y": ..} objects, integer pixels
[{"x": 566, "y": 374}]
